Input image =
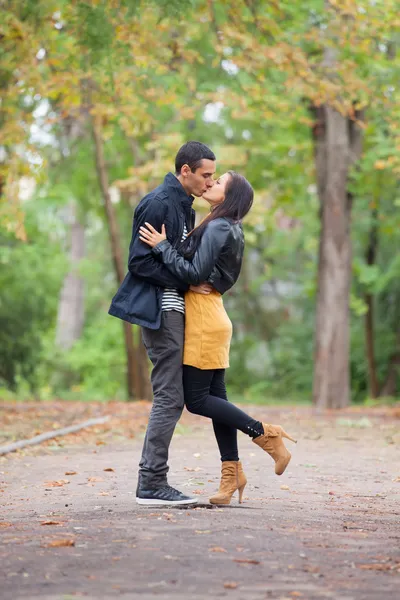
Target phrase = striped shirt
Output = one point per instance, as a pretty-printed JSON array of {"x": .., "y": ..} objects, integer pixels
[{"x": 173, "y": 298}]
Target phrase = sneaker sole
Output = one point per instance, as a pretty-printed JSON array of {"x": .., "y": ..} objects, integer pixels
[{"x": 150, "y": 502}]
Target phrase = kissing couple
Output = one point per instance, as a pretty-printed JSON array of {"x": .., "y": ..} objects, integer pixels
[{"x": 178, "y": 273}]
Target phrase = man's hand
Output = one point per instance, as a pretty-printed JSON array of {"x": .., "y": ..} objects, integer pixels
[{"x": 203, "y": 288}]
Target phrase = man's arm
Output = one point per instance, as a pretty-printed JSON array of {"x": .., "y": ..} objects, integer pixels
[
  {"x": 142, "y": 261},
  {"x": 198, "y": 270}
]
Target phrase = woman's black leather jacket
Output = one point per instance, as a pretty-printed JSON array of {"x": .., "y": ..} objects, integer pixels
[{"x": 218, "y": 258}]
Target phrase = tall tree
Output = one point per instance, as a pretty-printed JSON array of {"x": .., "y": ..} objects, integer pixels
[
  {"x": 337, "y": 146},
  {"x": 70, "y": 317},
  {"x": 132, "y": 362}
]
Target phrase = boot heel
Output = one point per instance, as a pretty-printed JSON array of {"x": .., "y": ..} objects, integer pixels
[
  {"x": 287, "y": 436},
  {"x": 241, "y": 490}
]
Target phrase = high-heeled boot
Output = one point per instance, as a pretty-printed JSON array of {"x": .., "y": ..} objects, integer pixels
[
  {"x": 232, "y": 479},
  {"x": 272, "y": 443}
]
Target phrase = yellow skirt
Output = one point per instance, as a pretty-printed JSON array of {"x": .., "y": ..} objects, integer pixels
[{"x": 208, "y": 331}]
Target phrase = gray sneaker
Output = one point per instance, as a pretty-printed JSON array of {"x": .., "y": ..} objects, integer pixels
[{"x": 162, "y": 496}]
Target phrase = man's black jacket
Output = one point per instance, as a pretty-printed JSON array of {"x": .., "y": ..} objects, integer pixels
[{"x": 139, "y": 297}]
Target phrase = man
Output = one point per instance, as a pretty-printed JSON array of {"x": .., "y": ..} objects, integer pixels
[{"x": 152, "y": 297}]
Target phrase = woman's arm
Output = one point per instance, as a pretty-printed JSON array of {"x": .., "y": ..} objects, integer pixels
[
  {"x": 142, "y": 262},
  {"x": 196, "y": 271}
]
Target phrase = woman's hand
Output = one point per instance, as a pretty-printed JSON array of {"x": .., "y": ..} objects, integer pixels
[
  {"x": 204, "y": 288},
  {"x": 150, "y": 236}
]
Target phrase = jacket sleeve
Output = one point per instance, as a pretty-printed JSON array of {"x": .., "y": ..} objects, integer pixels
[
  {"x": 198, "y": 270},
  {"x": 214, "y": 276},
  {"x": 142, "y": 261}
]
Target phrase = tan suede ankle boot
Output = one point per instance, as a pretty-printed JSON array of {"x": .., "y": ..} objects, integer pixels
[
  {"x": 272, "y": 443},
  {"x": 232, "y": 479}
]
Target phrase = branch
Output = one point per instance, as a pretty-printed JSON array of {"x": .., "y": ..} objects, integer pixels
[{"x": 38, "y": 439}]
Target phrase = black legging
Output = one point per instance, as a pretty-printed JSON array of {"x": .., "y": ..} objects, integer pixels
[{"x": 205, "y": 394}]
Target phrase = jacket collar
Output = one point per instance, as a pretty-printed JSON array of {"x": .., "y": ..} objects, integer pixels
[{"x": 174, "y": 185}]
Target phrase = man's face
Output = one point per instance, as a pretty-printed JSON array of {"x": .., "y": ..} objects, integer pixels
[{"x": 201, "y": 180}]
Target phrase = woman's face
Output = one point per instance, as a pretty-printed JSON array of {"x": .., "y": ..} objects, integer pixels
[{"x": 216, "y": 194}]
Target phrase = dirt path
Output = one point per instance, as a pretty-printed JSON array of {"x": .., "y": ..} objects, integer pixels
[{"x": 328, "y": 528}]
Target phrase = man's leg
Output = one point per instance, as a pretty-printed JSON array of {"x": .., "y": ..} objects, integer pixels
[{"x": 165, "y": 349}]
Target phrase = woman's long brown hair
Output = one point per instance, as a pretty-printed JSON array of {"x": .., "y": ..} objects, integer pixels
[{"x": 238, "y": 201}]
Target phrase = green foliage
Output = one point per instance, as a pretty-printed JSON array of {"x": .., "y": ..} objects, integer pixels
[
  {"x": 30, "y": 277},
  {"x": 96, "y": 30},
  {"x": 95, "y": 366}
]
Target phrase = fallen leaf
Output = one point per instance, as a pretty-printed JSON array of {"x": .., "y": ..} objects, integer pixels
[
  {"x": 58, "y": 483},
  {"x": 296, "y": 594},
  {"x": 60, "y": 543},
  {"x": 51, "y": 523},
  {"x": 248, "y": 561},
  {"x": 331, "y": 493},
  {"x": 109, "y": 469},
  {"x": 230, "y": 585},
  {"x": 3, "y": 524},
  {"x": 285, "y": 487},
  {"x": 95, "y": 479},
  {"x": 310, "y": 569},
  {"x": 71, "y": 473},
  {"x": 200, "y": 531},
  {"x": 217, "y": 549},
  {"x": 376, "y": 567},
  {"x": 104, "y": 494}
]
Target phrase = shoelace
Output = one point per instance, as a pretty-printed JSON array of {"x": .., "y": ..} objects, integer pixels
[{"x": 169, "y": 488}]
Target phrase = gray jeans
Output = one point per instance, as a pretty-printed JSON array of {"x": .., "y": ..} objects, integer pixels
[{"x": 165, "y": 349}]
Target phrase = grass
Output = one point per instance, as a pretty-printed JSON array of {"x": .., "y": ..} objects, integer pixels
[{"x": 252, "y": 395}]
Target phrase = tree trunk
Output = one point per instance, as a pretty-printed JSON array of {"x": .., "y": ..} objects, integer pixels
[
  {"x": 144, "y": 385},
  {"x": 70, "y": 316},
  {"x": 337, "y": 146},
  {"x": 389, "y": 388},
  {"x": 369, "y": 317},
  {"x": 131, "y": 357},
  {"x": 370, "y": 347}
]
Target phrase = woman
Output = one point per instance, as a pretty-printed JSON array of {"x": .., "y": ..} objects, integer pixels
[{"x": 213, "y": 252}]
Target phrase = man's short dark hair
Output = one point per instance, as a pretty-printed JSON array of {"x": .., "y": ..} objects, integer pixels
[{"x": 192, "y": 153}]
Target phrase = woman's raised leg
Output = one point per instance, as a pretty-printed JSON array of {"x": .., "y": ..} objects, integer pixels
[{"x": 196, "y": 383}]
